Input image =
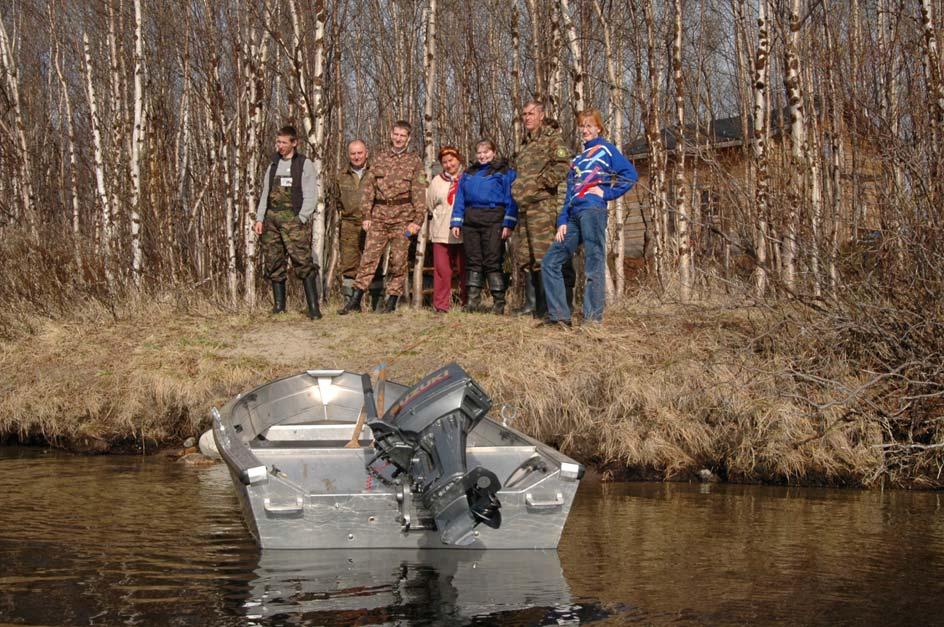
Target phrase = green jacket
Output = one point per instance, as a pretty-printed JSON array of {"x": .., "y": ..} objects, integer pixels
[
  {"x": 542, "y": 165},
  {"x": 346, "y": 194}
]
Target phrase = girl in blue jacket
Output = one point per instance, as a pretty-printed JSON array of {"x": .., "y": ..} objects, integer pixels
[
  {"x": 597, "y": 175},
  {"x": 484, "y": 215}
]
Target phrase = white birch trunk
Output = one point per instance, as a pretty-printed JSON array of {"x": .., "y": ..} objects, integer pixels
[
  {"x": 552, "y": 99},
  {"x": 429, "y": 54},
  {"x": 70, "y": 131},
  {"x": 12, "y": 80},
  {"x": 540, "y": 92},
  {"x": 258, "y": 55},
  {"x": 759, "y": 143},
  {"x": 797, "y": 143},
  {"x": 681, "y": 187},
  {"x": 137, "y": 145},
  {"x": 577, "y": 72},
  {"x": 516, "y": 75},
  {"x": 932, "y": 66},
  {"x": 313, "y": 115},
  {"x": 99, "y": 156},
  {"x": 615, "y": 225}
]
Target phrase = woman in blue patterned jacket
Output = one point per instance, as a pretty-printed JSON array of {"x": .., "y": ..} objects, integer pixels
[
  {"x": 597, "y": 175},
  {"x": 484, "y": 215}
]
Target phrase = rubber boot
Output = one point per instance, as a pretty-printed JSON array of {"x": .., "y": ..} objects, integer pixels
[
  {"x": 390, "y": 305},
  {"x": 353, "y": 303},
  {"x": 570, "y": 280},
  {"x": 473, "y": 285},
  {"x": 496, "y": 285},
  {"x": 527, "y": 306},
  {"x": 310, "y": 284},
  {"x": 278, "y": 296},
  {"x": 540, "y": 302},
  {"x": 376, "y": 298},
  {"x": 347, "y": 287}
]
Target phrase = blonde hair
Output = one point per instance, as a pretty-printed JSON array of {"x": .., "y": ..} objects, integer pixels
[{"x": 594, "y": 116}]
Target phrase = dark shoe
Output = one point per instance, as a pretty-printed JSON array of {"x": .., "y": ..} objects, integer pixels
[
  {"x": 527, "y": 306},
  {"x": 376, "y": 298},
  {"x": 311, "y": 295},
  {"x": 540, "y": 302},
  {"x": 390, "y": 305},
  {"x": 473, "y": 284},
  {"x": 278, "y": 297},
  {"x": 353, "y": 303},
  {"x": 556, "y": 324},
  {"x": 496, "y": 285}
]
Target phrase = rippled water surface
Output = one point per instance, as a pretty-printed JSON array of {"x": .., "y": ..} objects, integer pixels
[{"x": 145, "y": 541}]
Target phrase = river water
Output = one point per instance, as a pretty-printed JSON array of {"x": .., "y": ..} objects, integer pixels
[{"x": 146, "y": 541}]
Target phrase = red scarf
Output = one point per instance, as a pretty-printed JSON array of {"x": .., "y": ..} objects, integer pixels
[{"x": 453, "y": 186}]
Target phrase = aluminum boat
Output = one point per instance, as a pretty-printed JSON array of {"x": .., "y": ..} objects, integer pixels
[{"x": 320, "y": 460}]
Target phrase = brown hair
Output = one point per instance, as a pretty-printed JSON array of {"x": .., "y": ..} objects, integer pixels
[
  {"x": 450, "y": 150},
  {"x": 487, "y": 142},
  {"x": 288, "y": 131},
  {"x": 406, "y": 126},
  {"x": 594, "y": 116}
]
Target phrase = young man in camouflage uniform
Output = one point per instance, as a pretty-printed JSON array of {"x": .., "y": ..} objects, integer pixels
[
  {"x": 346, "y": 193},
  {"x": 283, "y": 219},
  {"x": 393, "y": 205},
  {"x": 542, "y": 165}
]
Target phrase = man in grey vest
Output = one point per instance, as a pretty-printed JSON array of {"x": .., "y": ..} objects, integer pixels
[{"x": 283, "y": 220}]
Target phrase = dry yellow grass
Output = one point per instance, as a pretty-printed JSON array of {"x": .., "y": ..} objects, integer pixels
[{"x": 658, "y": 390}]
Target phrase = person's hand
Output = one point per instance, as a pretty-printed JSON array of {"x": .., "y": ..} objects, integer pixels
[
  {"x": 456, "y": 232},
  {"x": 561, "y": 232},
  {"x": 506, "y": 232},
  {"x": 365, "y": 225},
  {"x": 413, "y": 228},
  {"x": 257, "y": 228},
  {"x": 596, "y": 190}
]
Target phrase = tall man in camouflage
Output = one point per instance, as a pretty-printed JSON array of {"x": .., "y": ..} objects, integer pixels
[
  {"x": 393, "y": 205},
  {"x": 346, "y": 194},
  {"x": 283, "y": 219},
  {"x": 542, "y": 165}
]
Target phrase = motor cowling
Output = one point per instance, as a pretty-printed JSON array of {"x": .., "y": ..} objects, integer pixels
[{"x": 423, "y": 435}]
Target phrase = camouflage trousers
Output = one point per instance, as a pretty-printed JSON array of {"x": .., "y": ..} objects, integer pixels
[
  {"x": 377, "y": 238},
  {"x": 351, "y": 240},
  {"x": 537, "y": 226},
  {"x": 284, "y": 237}
]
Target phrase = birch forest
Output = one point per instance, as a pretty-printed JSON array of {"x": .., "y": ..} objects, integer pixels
[{"x": 134, "y": 133}]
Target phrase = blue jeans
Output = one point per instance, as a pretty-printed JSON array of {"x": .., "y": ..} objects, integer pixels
[{"x": 588, "y": 228}]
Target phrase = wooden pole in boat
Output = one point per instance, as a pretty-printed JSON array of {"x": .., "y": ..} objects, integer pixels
[{"x": 362, "y": 418}]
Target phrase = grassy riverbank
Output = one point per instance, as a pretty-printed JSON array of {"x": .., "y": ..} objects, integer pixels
[{"x": 659, "y": 391}]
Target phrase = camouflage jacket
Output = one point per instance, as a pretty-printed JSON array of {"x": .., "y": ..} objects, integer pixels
[
  {"x": 542, "y": 165},
  {"x": 395, "y": 189},
  {"x": 347, "y": 193}
]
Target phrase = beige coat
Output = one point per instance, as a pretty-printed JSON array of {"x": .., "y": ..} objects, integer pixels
[{"x": 440, "y": 211}]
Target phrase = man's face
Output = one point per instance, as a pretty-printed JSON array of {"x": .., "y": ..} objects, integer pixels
[
  {"x": 532, "y": 116},
  {"x": 357, "y": 154},
  {"x": 285, "y": 145},
  {"x": 399, "y": 138}
]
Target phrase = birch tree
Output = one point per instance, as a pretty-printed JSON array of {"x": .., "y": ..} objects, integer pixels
[
  {"x": 429, "y": 150},
  {"x": 681, "y": 187},
  {"x": 137, "y": 146}
]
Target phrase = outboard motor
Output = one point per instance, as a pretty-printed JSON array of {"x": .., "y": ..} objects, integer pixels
[{"x": 424, "y": 435}]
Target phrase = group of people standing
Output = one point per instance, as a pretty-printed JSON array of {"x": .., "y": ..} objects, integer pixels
[{"x": 556, "y": 201}]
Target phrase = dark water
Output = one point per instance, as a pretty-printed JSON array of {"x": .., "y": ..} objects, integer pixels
[{"x": 144, "y": 541}]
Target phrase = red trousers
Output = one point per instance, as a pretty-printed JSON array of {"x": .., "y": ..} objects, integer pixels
[{"x": 447, "y": 259}]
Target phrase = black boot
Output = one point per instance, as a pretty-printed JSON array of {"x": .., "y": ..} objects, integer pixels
[
  {"x": 310, "y": 283},
  {"x": 473, "y": 284},
  {"x": 390, "y": 305},
  {"x": 540, "y": 302},
  {"x": 376, "y": 298},
  {"x": 496, "y": 285},
  {"x": 278, "y": 296},
  {"x": 353, "y": 303},
  {"x": 527, "y": 306},
  {"x": 570, "y": 280}
]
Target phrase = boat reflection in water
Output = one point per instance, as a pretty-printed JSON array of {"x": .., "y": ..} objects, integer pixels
[{"x": 341, "y": 586}]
